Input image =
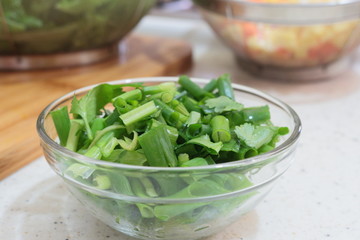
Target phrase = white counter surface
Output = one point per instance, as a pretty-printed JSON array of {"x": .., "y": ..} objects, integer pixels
[{"x": 317, "y": 198}]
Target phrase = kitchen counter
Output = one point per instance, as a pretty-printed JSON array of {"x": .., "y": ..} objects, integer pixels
[{"x": 317, "y": 198}]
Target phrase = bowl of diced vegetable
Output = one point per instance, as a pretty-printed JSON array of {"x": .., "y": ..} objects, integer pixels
[
  {"x": 287, "y": 39},
  {"x": 169, "y": 157},
  {"x": 88, "y": 29}
]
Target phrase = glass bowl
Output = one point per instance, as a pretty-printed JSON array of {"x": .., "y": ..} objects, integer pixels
[
  {"x": 171, "y": 202},
  {"x": 32, "y": 28},
  {"x": 287, "y": 39}
]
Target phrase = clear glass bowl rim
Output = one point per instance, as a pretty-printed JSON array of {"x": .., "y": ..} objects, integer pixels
[
  {"x": 291, "y": 140},
  {"x": 284, "y": 13},
  {"x": 315, "y": 4}
]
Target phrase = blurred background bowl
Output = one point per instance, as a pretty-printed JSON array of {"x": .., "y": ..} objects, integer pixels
[
  {"x": 46, "y": 27},
  {"x": 288, "y": 40},
  {"x": 173, "y": 203}
]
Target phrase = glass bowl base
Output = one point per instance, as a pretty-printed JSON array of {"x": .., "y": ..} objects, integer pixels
[
  {"x": 316, "y": 73},
  {"x": 57, "y": 60}
]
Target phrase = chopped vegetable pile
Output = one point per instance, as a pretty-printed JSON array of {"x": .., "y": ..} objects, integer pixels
[
  {"x": 286, "y": 45},
  {"x": 49, "y": 26},
  {"x": 171, "y": 124},
  {"x": 166, "y": 126}
]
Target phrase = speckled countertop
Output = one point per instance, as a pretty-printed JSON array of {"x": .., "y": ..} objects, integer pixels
[{"x": 317, "y": 198}]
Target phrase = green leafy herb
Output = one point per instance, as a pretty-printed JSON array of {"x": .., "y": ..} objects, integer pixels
[
  {"x": 204, "y": 141},
  {"x": 57, "y": 26},
  {"x": 254, "y": 136},
  {"x": 89, "y": 105},
  {"x": 223, "y": 104},
  {"x": 164, "y": 126}
]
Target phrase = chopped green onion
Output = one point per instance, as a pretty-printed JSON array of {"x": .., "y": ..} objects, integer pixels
[
  {"x": 182, "y": 158},
  {"x": 164, "y": 126},
  {"x": 173, "y": 117},
  {"x": 192, "y": 88},
  {"x": 211, "y": 86},
  {"x": 102, "y": 182},
  {"x": 256, "y": 114},
  {"x": 73, "y": 137},
  {"x": 179, "y": 107},
  {"x": 146, "y": 211},
  {"x": 162, "y": 87},
  {"x": 195, "y": 162},
  {"x": 151, "y": 141},
  {"x": 104, "y": 131},
  {"x": 94, "y": 152},
  {"x": 138, "y": 113},
  {"x": 190, "y": 104},
  {"x": 135, "y": 94},
  {"x": 62, "y": 124},
  {"x": 172, "y": 131},
  {"x": 220, "y": 129},
  {"x": 80, "y": 170},
  {"x": 224, "y": 86},
  {"x": 129, "y": 144},
  {"x": 109, "y": 147}
]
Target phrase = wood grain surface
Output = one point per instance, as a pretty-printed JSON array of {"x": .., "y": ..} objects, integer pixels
[{"x": 24, "y": 94}]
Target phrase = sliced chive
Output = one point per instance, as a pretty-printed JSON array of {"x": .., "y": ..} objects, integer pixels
[
  {"x": 179, "y": 107},
  {"x": 94, "y": 152},
  {"x": 149, "y": 187},
  {"x": 102, "y": 182},
  {"x": 122, "y": 106},
  {"x": 182, "y": 158},
  {"x": 138, "y": 188},
  {"x": 195, "y": 162},
  {"x": 224, "y": 86},
  {"x": 76, "y": 125},
  {"x": 173, "y": 117},
  {"x": 105, "y": 139},
  {"x": 109, "y": 147},
  {"x": 138, "y": 113},
  {"x": 283, "y": 130},
  {"x": 220, "y": 129},
  {"x": 102, "y": 132},
  {"x": 162, "y": 87},
  {"x": 190, "y": 104},
  {"x": 129, "y": 144},
  {"x": 151, "y": 141},
  {"x": 256, "y": 114},
  {"x": 146, "y": 211},
  {"x": 80, "y": 170},
  {"x": 265, "y": 148},
  {"x": 135, "y": 94},
  {"x": 172, "y": 131},
  {"x": 211, "y": 86},
  {"x": 192, "y": 88},
  {"x": 62, "y": 123}
]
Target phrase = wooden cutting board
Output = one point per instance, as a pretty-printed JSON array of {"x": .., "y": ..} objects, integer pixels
[{"x": 24, "y": 94}]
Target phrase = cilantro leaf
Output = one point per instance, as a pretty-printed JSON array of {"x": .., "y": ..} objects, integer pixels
[
  {"x": 88, "y": 106},
  {"x": 204, "y": 141},
  {"x": 254, "y": 136},
  {"x": 223, "y": 104},
  {"x": 231, "y": 146}
]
